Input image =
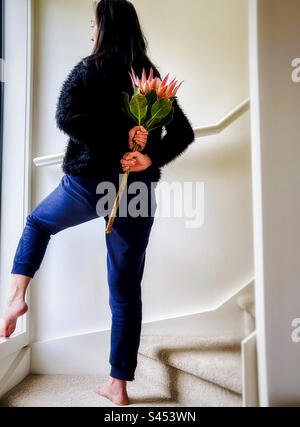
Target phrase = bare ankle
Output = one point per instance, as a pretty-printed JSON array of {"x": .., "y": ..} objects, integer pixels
[
  {"x": 18, "y": 286},
  {"x": 17, "y": 293},
  {"x": 117, "y": 381}
]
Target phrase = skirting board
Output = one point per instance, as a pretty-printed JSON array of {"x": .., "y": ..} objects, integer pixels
[
  {"x": 88, "y": 352},
  {"x": 13, "y": 369}
]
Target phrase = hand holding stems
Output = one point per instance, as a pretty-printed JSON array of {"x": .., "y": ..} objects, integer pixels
[
  {"x": 139, "y": 135},
  {"x": 132, "y": 161},
  {"x": 135, "y": 160}
]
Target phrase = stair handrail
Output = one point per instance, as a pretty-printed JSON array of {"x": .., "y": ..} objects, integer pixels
[{"x": 212, "y": 129}]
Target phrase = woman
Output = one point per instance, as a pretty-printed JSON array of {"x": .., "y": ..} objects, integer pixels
[{"x": 89, "y": 112}]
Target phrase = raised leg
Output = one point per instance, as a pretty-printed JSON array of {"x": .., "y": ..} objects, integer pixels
[{"x": 69, "y": 204}]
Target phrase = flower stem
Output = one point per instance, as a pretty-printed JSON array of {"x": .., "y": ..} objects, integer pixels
[{"x": 118, "y": 197}]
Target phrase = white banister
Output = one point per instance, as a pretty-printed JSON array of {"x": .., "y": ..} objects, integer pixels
[
  {"x": 225, "y": 121},
  {"x": 51, "y": 159},
  {"x": 56, "y": 159}
]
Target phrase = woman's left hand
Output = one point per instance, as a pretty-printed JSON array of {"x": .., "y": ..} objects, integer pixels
[
  {"x": 136, "y": 161},
  {"x": 138, "y": 135}
]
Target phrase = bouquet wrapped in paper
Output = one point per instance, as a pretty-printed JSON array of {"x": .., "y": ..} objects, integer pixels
[{"x": 150, "y": 107}]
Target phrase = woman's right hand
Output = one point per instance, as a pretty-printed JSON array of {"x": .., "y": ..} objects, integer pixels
[{"x": 139, "y": 135}]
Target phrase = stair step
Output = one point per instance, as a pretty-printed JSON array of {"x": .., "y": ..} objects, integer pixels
[
  {"x": 78, "y": 391},
  {"x": 213, "y": 359}
]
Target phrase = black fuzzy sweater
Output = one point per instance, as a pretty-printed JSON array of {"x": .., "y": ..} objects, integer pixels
[{"x": 89, "y": 112}]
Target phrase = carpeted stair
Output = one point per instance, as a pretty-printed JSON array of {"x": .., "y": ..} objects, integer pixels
[
  {"x": 171, "y": 371},
  {"x": 78, "y": 391},
  {"x": 193, "y": 370}
]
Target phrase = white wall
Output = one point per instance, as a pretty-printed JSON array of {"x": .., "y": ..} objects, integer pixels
[
  {"x": 187, "y": 271},
  {"x": 274, "y": 43}
]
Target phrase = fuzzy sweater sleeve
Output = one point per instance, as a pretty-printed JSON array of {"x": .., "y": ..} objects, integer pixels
[
  {"x": 87, "y": 109},
  {"x": 179, "y": 135}
]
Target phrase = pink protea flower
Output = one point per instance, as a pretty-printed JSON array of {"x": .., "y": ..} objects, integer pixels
[{"x": 162, "y": 89}]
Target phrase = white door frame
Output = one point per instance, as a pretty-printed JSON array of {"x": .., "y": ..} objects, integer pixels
[{"x": 17, "y": 158}]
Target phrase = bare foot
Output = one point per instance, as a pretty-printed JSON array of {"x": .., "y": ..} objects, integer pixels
[
  {"x": 114, "y": 390},
  {"x": 16, "y": 306}
]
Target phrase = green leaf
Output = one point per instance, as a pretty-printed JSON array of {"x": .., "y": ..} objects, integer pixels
[
  {"x": 126, "y": 108},
  {"x": 164, "y": 122},
  {"x": 151, "y": 96},
  {"x": 160, "y": 109},
  {"x": 168, "y": 118},
  {"x": 138, "y": 107}
]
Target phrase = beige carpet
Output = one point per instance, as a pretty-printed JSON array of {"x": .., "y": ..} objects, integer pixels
[
  {"x": 195, "y": 370},
  {"x": 214, "y": 359},
  {"x": 171, "y": 371},
  {"x": 77, "y": 390}
]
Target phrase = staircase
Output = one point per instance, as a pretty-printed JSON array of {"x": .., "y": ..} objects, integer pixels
[
  {"x": 192, "y": 370},
  {"x": 197, "y": 370},
  {"x": 173, "y": 369}
]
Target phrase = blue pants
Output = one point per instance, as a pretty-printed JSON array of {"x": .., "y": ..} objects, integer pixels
[{"x": 71, "y": 203}]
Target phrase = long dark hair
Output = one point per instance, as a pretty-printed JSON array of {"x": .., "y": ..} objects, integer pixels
[{"x": 120, "y": 38}]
